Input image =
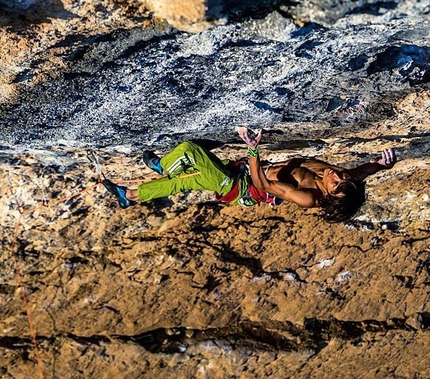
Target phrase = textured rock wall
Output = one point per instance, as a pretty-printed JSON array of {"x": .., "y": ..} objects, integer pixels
[
  {"x": 36, "y": 37},
  {"x": 195, "y": 289},
  {"x": 181, "y": 13}
]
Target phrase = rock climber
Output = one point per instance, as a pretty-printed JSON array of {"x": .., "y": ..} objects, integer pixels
[{"x": 309, "y": 183}]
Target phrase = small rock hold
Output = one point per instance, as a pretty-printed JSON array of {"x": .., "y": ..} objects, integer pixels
[
  {"x": 344, "y": 276},
  {"x": 265, "y": 277},
  {"x": 415, "y": 321},
  {"x": 325, "y": 262},
  {"x": 390, "y": 225},
  {"x": 290, "y": 276}
]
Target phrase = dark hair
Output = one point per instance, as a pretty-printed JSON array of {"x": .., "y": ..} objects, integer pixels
[{"x": 341, "y": 209}]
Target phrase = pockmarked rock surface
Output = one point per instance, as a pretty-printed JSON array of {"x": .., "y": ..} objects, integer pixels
[{"x": 186, "y": 287}]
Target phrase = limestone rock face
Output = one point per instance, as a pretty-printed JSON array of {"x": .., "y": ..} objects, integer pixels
[
  {"x": 328, "y": 12},
  {"x": 185, "y": 287},
  {"x": 38, "y": 36},
  {"x": 198, "y": 15},
  {"x": 183, "y": 14}
]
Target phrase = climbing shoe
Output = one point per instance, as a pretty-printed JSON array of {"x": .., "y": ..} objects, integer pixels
[
  {"x": 119, "y": 193},
  {"x": 152, "y": 161}
]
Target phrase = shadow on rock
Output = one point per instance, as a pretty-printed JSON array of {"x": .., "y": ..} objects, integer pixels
[
  {"x": 411, "y": 61},
  {"x": 237, "y": 10},
  {"x": 20, "y": 14},
  {"x": 376, "y": 9}
]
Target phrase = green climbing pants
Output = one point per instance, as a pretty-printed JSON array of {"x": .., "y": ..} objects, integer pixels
[{"x": 189, "y": 167}]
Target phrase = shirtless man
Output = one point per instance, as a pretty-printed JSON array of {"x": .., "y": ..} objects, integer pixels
[{"x": 309, "y": 183}]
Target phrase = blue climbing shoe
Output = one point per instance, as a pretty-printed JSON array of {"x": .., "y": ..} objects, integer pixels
[
  {"x": 119, "y": 193},
  {"x": 152, "y": 161}
]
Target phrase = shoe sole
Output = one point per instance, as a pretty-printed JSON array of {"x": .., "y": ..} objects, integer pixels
[
  {"x": 148, "y": 157},
  {"x": 114, "y": 190}
]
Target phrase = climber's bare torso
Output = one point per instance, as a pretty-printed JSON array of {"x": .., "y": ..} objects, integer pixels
[{"x": 304, "y": 174}]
